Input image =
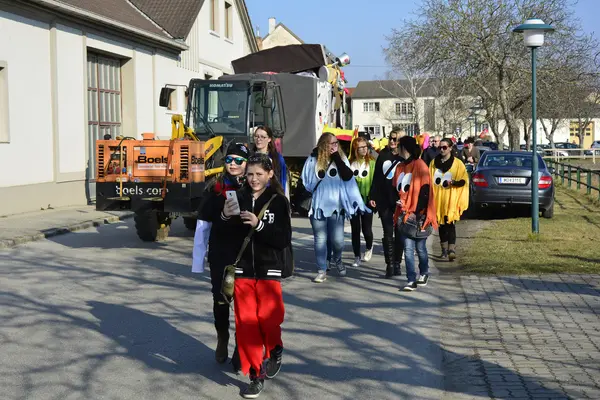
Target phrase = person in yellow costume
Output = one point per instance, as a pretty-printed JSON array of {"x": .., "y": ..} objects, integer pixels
[{"x": 451, "y": 193}]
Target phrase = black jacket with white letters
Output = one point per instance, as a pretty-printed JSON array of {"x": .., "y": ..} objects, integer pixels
[{"x": 264, "y": 256}]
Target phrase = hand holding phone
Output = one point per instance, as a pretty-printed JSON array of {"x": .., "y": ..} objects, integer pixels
[{"x": 232, "y": 205}]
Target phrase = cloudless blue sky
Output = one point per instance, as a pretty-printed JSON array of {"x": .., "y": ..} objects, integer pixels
[{"x": 359, "y": 27}]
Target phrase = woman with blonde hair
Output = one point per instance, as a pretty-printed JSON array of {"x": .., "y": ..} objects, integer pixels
[
  {"x": 363, "y": 167},
  {"x": 335, "y": 197}
]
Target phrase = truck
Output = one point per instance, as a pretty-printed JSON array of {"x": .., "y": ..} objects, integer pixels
[{"x": 293, "y": 89}]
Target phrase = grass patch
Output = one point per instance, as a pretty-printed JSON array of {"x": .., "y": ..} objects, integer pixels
[{"x": 567, "y": 243}]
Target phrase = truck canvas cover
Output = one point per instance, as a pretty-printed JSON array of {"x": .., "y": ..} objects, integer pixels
[
  {"x": 299, "y": 96},
  {"x": 292, "y": 58}
]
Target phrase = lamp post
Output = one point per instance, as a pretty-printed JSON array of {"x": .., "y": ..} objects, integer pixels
[{"x": 533, "y": 33}]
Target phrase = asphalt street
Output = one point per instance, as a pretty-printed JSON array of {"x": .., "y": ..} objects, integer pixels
[{"x": 98, "y": 314}]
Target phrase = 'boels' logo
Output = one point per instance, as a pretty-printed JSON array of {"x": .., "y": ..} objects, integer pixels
[{"x": 152, "y": 160}]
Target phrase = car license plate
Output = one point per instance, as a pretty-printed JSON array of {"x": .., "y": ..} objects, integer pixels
[{"x": 512, "y": 180}]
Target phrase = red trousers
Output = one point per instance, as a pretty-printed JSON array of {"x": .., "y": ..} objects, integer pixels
[{"x": 259, "y": 314}]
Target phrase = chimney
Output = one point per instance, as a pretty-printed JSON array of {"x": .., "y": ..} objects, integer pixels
[{"x": 272, "y": 24}]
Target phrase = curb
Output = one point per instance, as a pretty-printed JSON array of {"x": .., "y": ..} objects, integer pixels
[{"x": 51, "y": 232}]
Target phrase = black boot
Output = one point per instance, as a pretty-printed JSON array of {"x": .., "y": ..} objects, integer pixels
[
  {"x": 221, "y": 353},
  {"x": 397, "y": 269},
  {"x": 388, "y": 255},
  {"x": 235, "y": 360},
  {"x": 221, "y": 314}
]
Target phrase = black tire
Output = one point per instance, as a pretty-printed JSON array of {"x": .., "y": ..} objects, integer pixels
[
  {"x": 190, "y": 223},
  {"x": 548, "y": 213},
  {"x": 152, "y": 226}
]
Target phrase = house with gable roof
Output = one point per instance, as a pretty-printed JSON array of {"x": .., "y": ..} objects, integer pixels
[{"x": 73, "y": 71}]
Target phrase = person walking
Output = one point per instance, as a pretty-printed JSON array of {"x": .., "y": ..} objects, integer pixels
[
  {"x": 382, "y": 197},
  {"x": 433, "y": 150},
  {"x": 219, "y": 243},
  {"x": 335, "y": 197},
  {"x": 470, "y": 153},
  {"x": 263, "y": 143},
  {"x": 262, "y": 215},
  {"x": 415, "y": 205},
  {"x": 363, "y": 166},
  {"x": 451, "y": 191}
]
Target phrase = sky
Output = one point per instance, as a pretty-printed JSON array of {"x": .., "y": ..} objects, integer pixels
[{"x": 352, "y": 27}]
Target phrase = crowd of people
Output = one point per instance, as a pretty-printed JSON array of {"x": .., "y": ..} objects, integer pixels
[{"x": 414, "y": 188}]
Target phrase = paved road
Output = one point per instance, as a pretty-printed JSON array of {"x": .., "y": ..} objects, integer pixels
[{"x": 97, "y": 314}]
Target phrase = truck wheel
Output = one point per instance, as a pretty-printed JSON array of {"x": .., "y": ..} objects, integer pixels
[
  {"x": 549, "y": 213},
  {"x": 190, "y": 223},
  {"x": 152, "y": 226}
]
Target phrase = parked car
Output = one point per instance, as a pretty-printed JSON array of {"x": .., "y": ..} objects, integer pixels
[
  {"x": 595, "y": 147},
  {"x": 491, "y": 145},
  {"x": 504, "y": 179}
]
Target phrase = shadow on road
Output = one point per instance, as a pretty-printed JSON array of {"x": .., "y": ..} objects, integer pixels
[{"x": 155, "y": 342}]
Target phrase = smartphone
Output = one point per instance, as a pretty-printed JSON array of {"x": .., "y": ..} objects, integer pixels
[{"x": 232, "y": 196}]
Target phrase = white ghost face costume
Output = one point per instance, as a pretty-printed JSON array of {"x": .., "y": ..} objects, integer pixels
[{"x": 333, "y": 193}]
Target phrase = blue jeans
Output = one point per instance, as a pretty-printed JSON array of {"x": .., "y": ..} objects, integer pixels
[
  {"x": 409, "y": 257},
  {"x": 328, "y": 230}
]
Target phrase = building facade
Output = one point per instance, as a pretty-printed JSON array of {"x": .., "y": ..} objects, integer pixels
[
  {"x": 73, "y": 71},
  {"x": 279, "y": 35},
  {"x": 379, "y": 106}
]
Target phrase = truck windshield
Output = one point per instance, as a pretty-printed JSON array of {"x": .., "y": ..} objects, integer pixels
[{"x": 219, "y": 108}]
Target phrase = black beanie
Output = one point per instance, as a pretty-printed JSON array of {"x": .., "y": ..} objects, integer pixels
[{"x": 238, "y": 149}]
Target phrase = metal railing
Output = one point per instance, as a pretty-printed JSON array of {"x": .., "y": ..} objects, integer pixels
[
  {"x": 565, "y": 172},
  {"x": 567, "y": 154}
]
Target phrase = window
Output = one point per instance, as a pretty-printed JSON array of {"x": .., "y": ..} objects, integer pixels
[
  {"x": 228, "y": 21},
  {"x": 374, "y": 130},
  {"x": 371, "y": 107},
  {"x": 404, "y": 109},
  {"x": 4, "y": 125},
  {"x": 214, "y": 15},
  {"x": 574, "y": 129},
  {"x": 104, "y": 96}
]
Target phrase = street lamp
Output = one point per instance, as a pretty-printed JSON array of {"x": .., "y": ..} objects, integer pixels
[{"x": 533, "y": 32}]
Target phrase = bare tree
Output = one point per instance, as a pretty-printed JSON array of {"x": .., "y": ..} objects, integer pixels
[{"x": 473, "y": 40}]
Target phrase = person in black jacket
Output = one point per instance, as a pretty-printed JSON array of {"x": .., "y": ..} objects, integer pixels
[
  {"x": 259, "y": 309},
  {"x": 382, "y": 197},
  {"x": 220, "y": 255},
  {"x": 433, "y": 150}
]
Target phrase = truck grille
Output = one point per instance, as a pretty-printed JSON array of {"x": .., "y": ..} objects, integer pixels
[
  {"x": 100, "y": 164},
  {"x": 184, "y": 163}
]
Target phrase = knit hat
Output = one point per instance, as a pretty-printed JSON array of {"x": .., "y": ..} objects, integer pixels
[{"x": 238, "y": 149}]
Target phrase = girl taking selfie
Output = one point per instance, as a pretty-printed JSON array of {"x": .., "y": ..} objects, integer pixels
[{"x": 259, "y": 308}]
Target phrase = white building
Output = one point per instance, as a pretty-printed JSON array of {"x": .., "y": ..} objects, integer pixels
[
  {"x": 279, "y": 35},
  {"x": 377, "y": 106},
  {"x": 74, "y": 70}
]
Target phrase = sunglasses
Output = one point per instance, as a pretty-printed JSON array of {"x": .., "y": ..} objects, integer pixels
[
  {"x": 444, "y": 147},
  {"x": 393, "y": 139},
  {"x": 238, "y": 160}
]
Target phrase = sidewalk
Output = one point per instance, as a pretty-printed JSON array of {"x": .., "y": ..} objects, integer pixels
[{"x": 22, "y": 228}]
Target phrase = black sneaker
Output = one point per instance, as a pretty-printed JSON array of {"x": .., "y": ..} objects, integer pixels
[
  {"x": 389, "y": 271},
  {"x": 422, "y": 281},
  {"x": 397, "y": 269},
  {"x": 410, "y": 286},
  {"x": 274, "y": 362},
  {"x": 254, "y": 389},
  {"x": 444, "y": 254}
]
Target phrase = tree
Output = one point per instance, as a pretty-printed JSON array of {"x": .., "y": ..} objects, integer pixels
[{"x": 473, "y": 40}]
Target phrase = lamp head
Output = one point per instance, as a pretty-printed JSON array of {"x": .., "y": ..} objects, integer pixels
[{"x": 533, "y": 32}]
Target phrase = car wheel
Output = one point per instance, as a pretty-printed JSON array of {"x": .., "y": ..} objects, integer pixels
[{"x": 549, "y": 212}]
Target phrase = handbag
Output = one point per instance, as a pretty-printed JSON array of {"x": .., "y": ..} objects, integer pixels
[
  {"x": 228, "y": 281},
  {"x": 412, "y": 228}
]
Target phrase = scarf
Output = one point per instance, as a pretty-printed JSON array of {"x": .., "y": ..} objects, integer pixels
[{"x": 409, "y": 178}]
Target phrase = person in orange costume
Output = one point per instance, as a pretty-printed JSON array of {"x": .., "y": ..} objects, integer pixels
[{"x": 412, "y": 180}]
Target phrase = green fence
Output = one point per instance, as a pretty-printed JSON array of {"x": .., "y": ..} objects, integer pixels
[{"x": 584, "y": 180}]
